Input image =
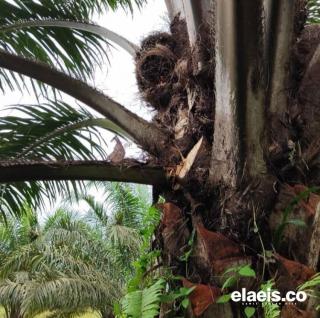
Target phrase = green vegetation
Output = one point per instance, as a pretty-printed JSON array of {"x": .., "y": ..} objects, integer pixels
[
  {"x": 47, "y": 315},
  {"x": 314, "y": 11},
  {"x": 73, "y": 264}
]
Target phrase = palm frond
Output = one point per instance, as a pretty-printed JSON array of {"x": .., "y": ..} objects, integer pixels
[
  {"x": 67, "y": 268},
  {"x": 72, "y": 292},
  {"x": 27, "y": 229},
  {"x": 65, "y": 243},
  {"x": 51, "y": 131},
  {"x": 313, "y": 11},
  {"x": 97, "y": 213},
  {"x": 61, "y": 217},
  {"x": 12, "y": 291},
  {"x": 75, "y": 51},
  {"x": 37, "y": 195},
  {"x": 37, "y": 258},
  {"x": 57, "y": 292},
  {"x": 97, "y": 30},
  {"x": 124, "y": 237},
  {"x": 121, "y": 205},
  {"x": 126, "y": 206}
]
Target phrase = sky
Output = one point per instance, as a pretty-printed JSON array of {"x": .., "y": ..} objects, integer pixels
[
  {"x": 117, "y": 79},
  {"x": 153, "y": 17}
]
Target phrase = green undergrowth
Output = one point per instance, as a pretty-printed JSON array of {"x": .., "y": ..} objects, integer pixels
[{"x": 45, "y": 315}]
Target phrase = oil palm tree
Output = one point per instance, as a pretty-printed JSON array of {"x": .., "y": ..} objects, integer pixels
[
  {"x": 233, "y": 143},
  {"x": 71, "y": 264},
  {"x": 65, "y": 270},
  {"x": 119, "y": 218}
]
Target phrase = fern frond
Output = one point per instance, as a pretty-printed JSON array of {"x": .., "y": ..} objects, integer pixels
[
  {"x": 144, "y": 303},
  {"x": 311, "y": 284},
  {"x": 271, "y": 310}
]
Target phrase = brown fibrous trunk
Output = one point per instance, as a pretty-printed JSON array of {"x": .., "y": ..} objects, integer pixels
[{"x": 234, "y": 225}]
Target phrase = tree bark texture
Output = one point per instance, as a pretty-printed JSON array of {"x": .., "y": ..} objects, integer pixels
[{"x": 263, "y": 73}]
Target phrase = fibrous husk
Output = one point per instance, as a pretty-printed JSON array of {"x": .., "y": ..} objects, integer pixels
[
  {"x": 214, "y": 253},
  {"x": 155, "y": 66},
  {"x": 292, "y": 311},
  {"x": 174, "y": 231},
  {"x": 291, "y": 274},
  {"x": 183, "y": 101},
  {"x": 202, "y": 296},
  {"x": 161, "y": 38}
]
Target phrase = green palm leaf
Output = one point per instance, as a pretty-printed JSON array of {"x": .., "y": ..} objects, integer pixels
[
  {"x": 12, "y": 291},
  {"x": 314, "y": 11},
  {"x": 67, "y": 268},
  {"x": 124, "y": 237},
  {"x": 37, "y": 195},
  {"x": 97, "y": 30},
  {"x": 50, "y": 131},
  {"x": 127, "y": 208},
  {"x": 97, "y": 212},
  {"x": 66, "y": 273},
  {"x": 75, "y": 50},
  {"x": 121, "y": 205},
  {"x": 72, "y": 292},
  {"x": 53, "y": 130}
]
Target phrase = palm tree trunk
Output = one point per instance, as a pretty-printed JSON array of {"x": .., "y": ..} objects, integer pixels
[{"x": 232, "y": 210}]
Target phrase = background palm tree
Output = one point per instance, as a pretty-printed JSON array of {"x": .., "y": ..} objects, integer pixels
[{"x": 71, "y": 264}]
